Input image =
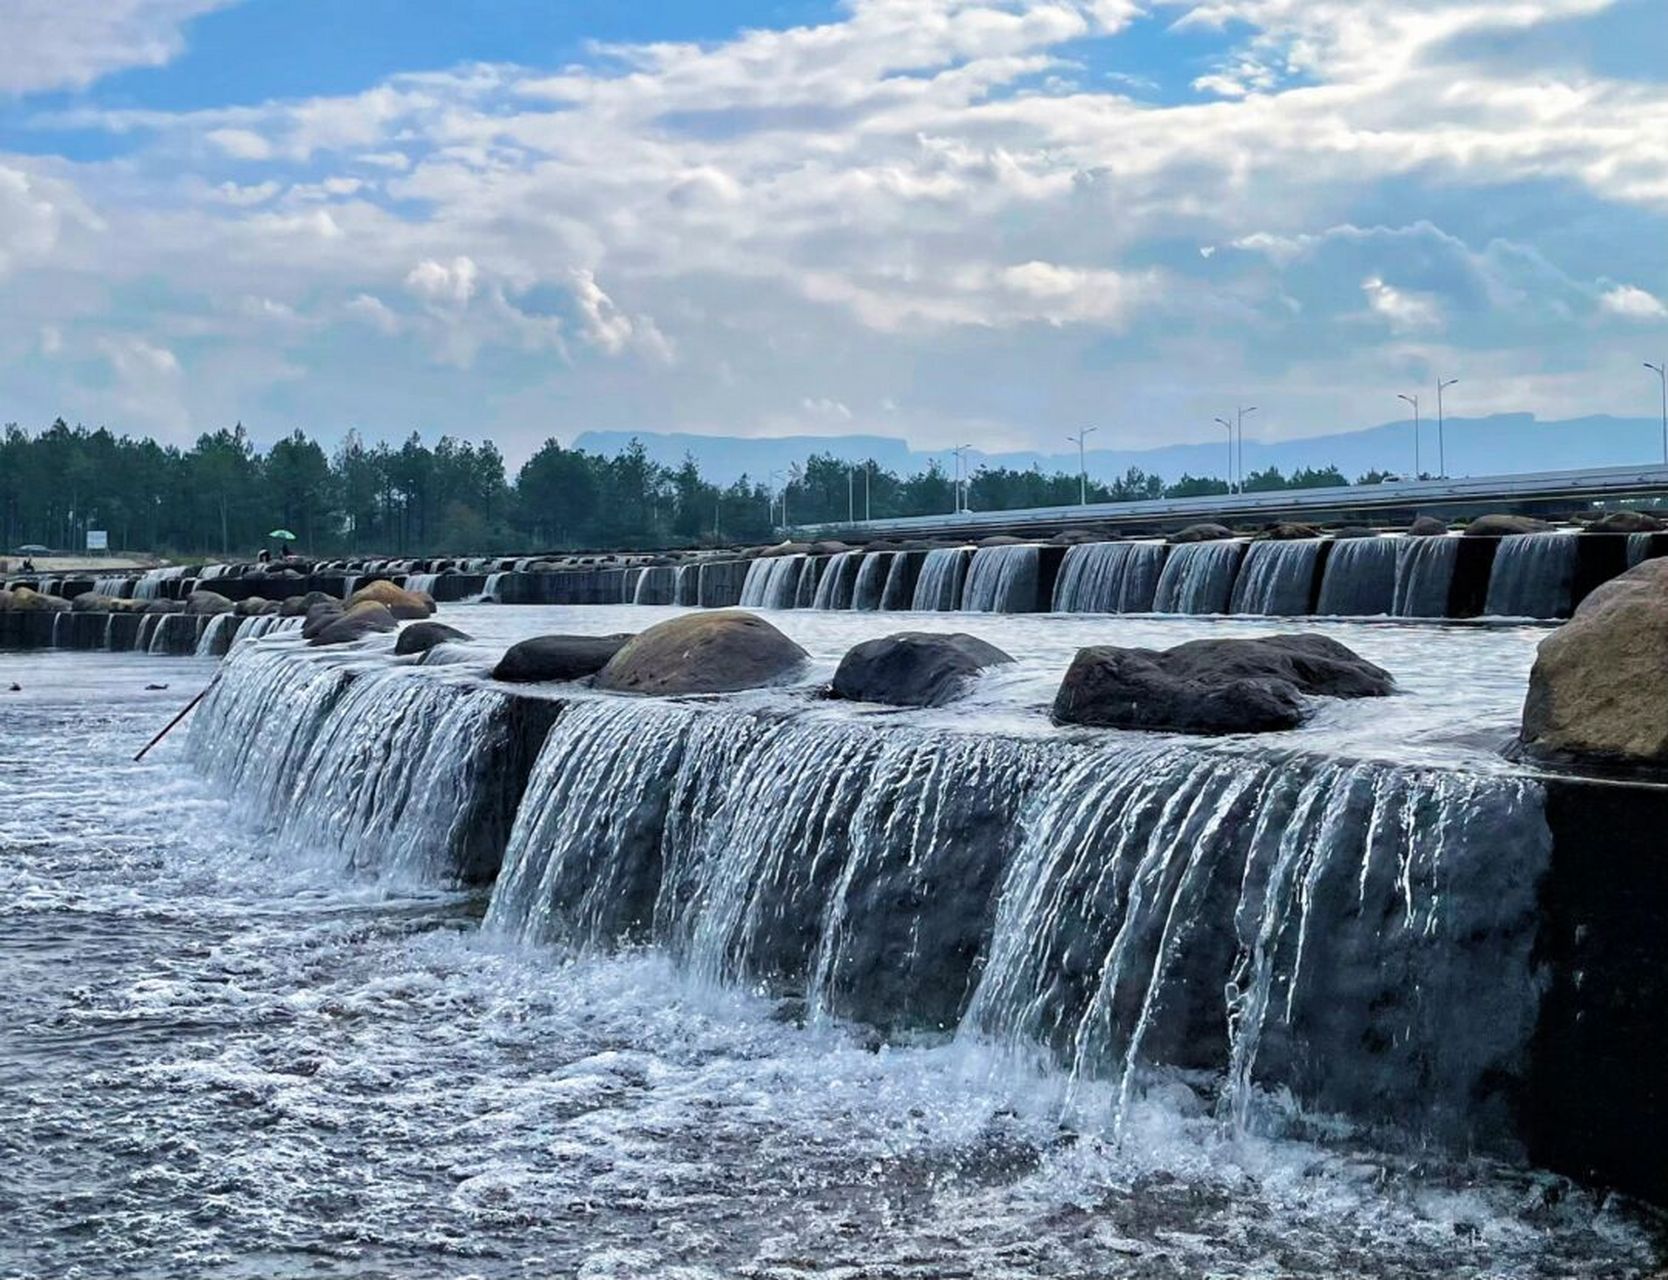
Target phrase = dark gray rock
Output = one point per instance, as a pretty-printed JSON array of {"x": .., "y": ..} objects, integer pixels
[
  {"x": 1288, "y": 531},
  {"x": 1499, "y": 526},
  {"x": 1213, "y": 686},
  {"x": 1427, "y": 527},
  {"x": 914, "y": 668},
  {"x": 301, "y": 606},
  {"x": 1000, "y": 540},
  {"x": 557, "y": 658},
  {"x": 420, "y": 637},
  {"x": 716, "y": 652},
  {"x": 1205, "y": 532},
  {"x": 1625, "y": 522},
  {"x": 208, "y": 602},
  {"x": 364, "y": 619}
]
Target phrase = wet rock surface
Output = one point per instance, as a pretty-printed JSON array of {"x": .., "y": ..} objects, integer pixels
[
  {"x": 559, "y": 657},
  {"x": 717, "y": 652},
  {"x": 914, "y": 669}
]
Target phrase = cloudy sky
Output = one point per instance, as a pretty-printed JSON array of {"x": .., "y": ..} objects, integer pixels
[{"x": 950, "y": 220}]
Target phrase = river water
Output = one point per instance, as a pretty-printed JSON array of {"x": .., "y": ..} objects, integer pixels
[{"x": 224, "y": 1055}]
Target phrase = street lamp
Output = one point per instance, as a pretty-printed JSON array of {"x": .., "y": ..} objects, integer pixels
[
  {"x": 961, "y": 500},
  {"x": 1230, "y": 427},
  {"x": 1082, "y": 465},
  {"x": 1441, "y": 450},
  {"x": 851, "y": 494},
  {"x": 1239, "y": 418},
  {"x": 1414, "y": 401},
  {"x": 1661, "y": 371},
  {"x": 868, "y": 484}
]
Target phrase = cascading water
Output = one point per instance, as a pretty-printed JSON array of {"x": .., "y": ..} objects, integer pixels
[
  {"x": 1109, "y": 577},
  {"x": 870, "y": 586},
  {"x": 657, "y": 584},
  {"x": 772, "y": 583},
  {"x": 839, "y": 578},
  {"x": 491, "y": 591},
  {"x": 1424, "y": 575},
  {"x": 1277, "y": 578},
  {"x": 116, "y": 587},
  {"x": 1638, "y": 548},
  {"x": 218, "y": 635},
  {"x": 938, "y": 588},
  {"x": 149, "y": 585},
  {"x": 1360, "y": 578},
  {"x": 421, "y": 582},
  {"x": 689, "y": 584},
  {"x": 1003, "y": 580},
  {"x": 898, "y": 591},
  {"x": 1198, "y": 577},
  {"x": 1533, "y": 576}
]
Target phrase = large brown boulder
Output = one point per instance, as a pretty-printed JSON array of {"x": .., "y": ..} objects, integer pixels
[
  {"x": 28, "y": 600},
  {"x": 1428, "y": 527},
  {"x": 208, "y": 602},
  {"x": 365, "y": 618},
  {"x": 1500, "y": 526},
  {"x": 401, "y": 603},
  {"x": 914, "y": 668},
  {"x": 1599, "y": 687},
  {"x": 717, "y": 651},
  {"x": 1213, "y": 686},
  {"x": 91, "y": 602},
  {"x": 557, "y": 658},
  {"x": 1625, "y": 522},
  {"x": 1203, "y": 532}
]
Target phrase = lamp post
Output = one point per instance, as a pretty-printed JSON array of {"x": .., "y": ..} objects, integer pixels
[
  {"x": 1230, "y": 428},
  {"x": 1414, "y": 401},
  {"x": 851, "y": 494},
  {"x": 959, "y": 450},
  {"x": 1661, "y": 371},
  {"x": 1082, "y": 465},
  {"x": 1441, "y": 447},
  {"x": 1239, "y": 419},
  {"x": 868, "y": 484}
]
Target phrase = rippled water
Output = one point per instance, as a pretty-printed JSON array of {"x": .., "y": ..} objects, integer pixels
[{"x": 223, "y": 1059}]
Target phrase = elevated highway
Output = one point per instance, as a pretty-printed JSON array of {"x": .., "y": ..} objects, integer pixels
[{"x": 1546, "y": 494}]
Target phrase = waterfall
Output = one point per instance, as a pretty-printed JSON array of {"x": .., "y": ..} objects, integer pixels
[
  {"x": 1424, "y": 573},
  {"x": 1360, "y": 934},
  {"x": 116, "y": 587},
  {"x": 1109, "y": 577},
  {"x": 218, "y": 635},
  {"x": 1533, "y": 576},
  {"x": 772, "y": 583},
  {"x": 1003, "y": 580},
  {"x": 689, "y": 584},
  {"x": 839, "y": 577},
  {"x": 421, "y": 582},
  {"x": 897, "y": 592},
  {"x": 1198, "y": 577},
  {"x": 657, "y": 584},
  {"x": 1360, "y": 578},
  {"x": 1638, "y": 548},
  {"x": 1276, "y": 578},
  {"x": 149, "y": 585},
  {"x": 870, "y": 586},
  {"x": 173, "y": 633},
  {"x": 384, "y": 770},
  {"x": 938, "y": 589},
  {"x": 267, "y": 624},
  {"x": 213, "y": 571},
  {"x": 494, "y": 585}
]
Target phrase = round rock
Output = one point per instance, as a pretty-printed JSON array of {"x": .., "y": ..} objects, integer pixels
[
  {"x": 914, "y": 668},
  {"x": 420, "y": 637},
  {"x": 557, "y": 657},
  {"x": 714, "y": 652}
]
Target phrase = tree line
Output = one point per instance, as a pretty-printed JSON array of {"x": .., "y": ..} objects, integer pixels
[{"x": 223, "y": 496}]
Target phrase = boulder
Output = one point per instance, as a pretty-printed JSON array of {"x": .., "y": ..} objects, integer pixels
[
  {"x": 300, "y": 606},
  {"x": 252, "y": 606},
  {"x": 319, "y": 617},
  {"x": 207, "y": 602},
  {"x": 163, "y": 606},
  {"x": 1205, "y": 532},
  {"x": 89, "y": 602},
  {"x": 1075, "y": 537},
  {"x": 1000, "y": 540},
  {"x": 1354, "y": 531},
  {"x": 1288, "y": 531},
  {"x": 1625, "y": 522},
  {"x": 1599, "y": 687},
  {"x": 786, "y": 549},
  {"x": 1428, "y": 527},
  {"x": 828, "y": 548},
  {"x": 914, "y": 668},
  {"x": 1213, "y": 686},
  {"x": 717, "y": 651},
  {"x": 1499, "y": 526},
  {"x": 401, "y": 603},
  {"x": 368, "y": 617},
  {"x": 420, "y": 637},
  {"x": 28, "y": 600},
  {"x": 557, "y": 658}
]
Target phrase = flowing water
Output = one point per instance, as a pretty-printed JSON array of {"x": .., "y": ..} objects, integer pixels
[
  {"x": 1277, "y": 579},
  {"x": 1533, "y": 576},
  {"x": 1109, "y": 577},
  {"x": 1198, "y": 577},
  {"x": 766, "y": 987}
]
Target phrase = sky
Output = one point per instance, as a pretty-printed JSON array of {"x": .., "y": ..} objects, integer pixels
[{"x": 953, "y": 221}]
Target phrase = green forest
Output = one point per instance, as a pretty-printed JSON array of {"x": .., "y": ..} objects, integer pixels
[{"x": 222, "y": 496}]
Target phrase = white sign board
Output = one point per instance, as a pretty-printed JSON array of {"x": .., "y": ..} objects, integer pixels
[{"x": 98, "y": 540}]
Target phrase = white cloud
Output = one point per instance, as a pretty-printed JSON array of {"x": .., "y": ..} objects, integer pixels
[
  {"x": 452, "y": 282},
  {"x": 240, "y": 144},
  {"x": 1405, "y": 310},
  {"x": 1633, "y": 303},
  {"x": 611, "y": 329},
  {"x": 55, "y": 44}
]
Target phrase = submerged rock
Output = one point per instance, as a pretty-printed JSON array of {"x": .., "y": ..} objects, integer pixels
[
  {"x": 1427, "y": 527},
  {"x": 365, "y": 618},
  {"x": 1599, "y": 687},
  {"x": 1204, "y": 532},
  {"x": 1213, "y": 686},
  {"x": 557, "y": 657},
  {"x": 1288, "y": 531},
  {"x": 320, "y": 616},
  {"x": 715, "y": 652},
  {"x": 301, "y": 606},
  {"x": 401, "y": 603},
  {"x": 1500, "y": 526},
  {"x": 420, "y": 637},
  {"x": 914, "y": 668}
]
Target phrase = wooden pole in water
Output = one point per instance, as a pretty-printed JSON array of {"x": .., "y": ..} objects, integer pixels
[{"x": 181, "y": 716}]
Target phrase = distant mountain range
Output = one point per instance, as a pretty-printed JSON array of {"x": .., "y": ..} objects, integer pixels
[{"x": 1497, "y": 445}]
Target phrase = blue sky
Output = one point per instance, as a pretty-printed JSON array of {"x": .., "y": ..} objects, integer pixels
[{"x": 985, "y": 221}]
